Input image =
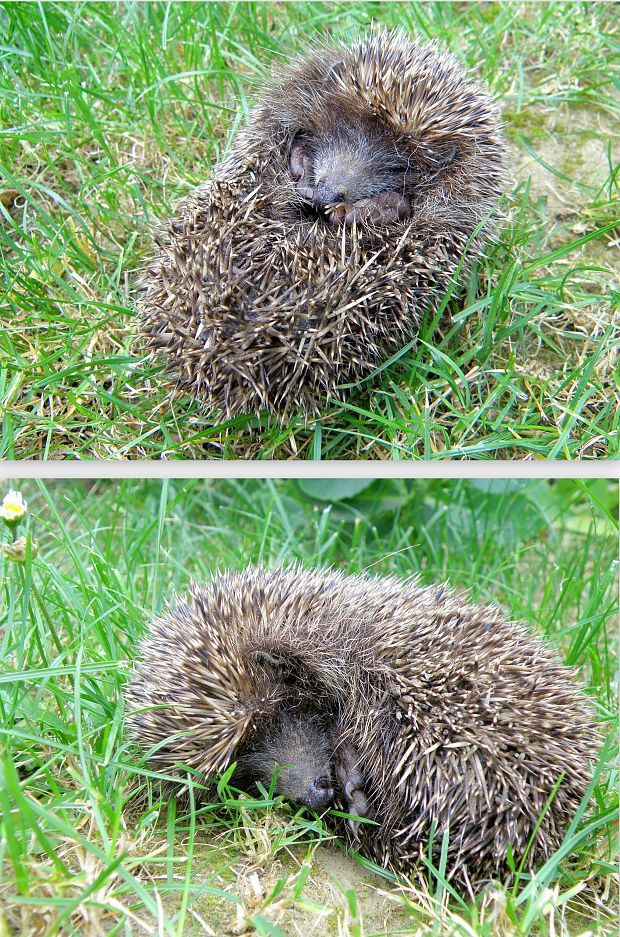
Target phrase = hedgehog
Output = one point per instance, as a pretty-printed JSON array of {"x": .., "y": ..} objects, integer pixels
[
  {"x": 351, "y": 204},
  {"x": 421, "y": 717}
]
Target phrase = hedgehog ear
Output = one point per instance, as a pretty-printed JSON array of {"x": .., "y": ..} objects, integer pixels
[{"x": 300, "y": 159}]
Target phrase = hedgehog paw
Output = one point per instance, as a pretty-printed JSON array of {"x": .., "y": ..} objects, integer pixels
[
  {"x": 358, "y": 803},
  {"x": 385, "y": 208},
  {"x": 351, "y": 780}
]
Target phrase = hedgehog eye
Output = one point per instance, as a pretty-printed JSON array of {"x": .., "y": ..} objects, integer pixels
[
  {"x": 270, "y": 660},
  {"x": 443, "y": 158},
  {"x": 397, "y": 172}
]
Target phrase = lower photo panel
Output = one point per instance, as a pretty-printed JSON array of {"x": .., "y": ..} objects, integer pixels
[{"x": 279, "y": 706}]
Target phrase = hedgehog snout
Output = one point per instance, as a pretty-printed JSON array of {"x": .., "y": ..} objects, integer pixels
[
  {"x": 329, "y": 175},
  {"x": 320, "y": 792},
  {"x": 311, "y": 790},
  {"x": 323, "y": 195}
]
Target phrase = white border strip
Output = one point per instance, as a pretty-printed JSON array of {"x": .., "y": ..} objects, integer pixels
[{"x": 309, "y": 469}]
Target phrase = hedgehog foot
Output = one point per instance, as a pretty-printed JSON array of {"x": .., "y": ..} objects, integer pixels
[
  {"x": 351, "y": 780},
  {"x": 385, "y": 208}
]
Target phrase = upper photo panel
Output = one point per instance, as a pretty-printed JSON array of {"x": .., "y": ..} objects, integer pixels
[{"x": 309, "y": 231}]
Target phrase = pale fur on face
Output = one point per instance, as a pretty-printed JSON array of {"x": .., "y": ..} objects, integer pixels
[{"x": 347, "y": 164}]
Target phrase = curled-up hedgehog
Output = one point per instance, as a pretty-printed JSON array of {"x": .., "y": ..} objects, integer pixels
[
  {"x": 396, "y": 703},
  {"x": 356, "y": 195}
]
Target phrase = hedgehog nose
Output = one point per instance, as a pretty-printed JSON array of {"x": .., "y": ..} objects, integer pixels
[
  {"x": 320, "y": 792},
  {"x": 324, "y": 195}
]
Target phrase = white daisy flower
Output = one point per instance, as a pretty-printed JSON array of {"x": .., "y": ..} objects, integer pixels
[{"x": 13, "y": 508}]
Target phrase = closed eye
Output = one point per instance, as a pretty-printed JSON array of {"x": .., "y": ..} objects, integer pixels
[{"x": 397, "y": 167}]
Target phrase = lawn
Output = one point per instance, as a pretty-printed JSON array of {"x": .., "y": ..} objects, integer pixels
[
  {"x": 111, "y": 112},
  {"x": 90, "y": 845}
]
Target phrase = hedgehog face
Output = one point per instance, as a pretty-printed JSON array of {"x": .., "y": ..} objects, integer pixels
[
  {"x": 351, "y": 174},
  {"x": 298, "y": 746}
]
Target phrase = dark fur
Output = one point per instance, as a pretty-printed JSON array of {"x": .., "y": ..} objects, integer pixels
[{"x": 298, "y": 746}]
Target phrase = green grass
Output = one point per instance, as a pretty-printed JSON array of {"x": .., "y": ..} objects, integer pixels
[
  {"x": 110, "y": 112},
  {"x": 89, "y": 845}
]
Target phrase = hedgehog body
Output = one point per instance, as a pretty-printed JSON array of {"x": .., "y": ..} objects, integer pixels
[
  {"x": 343, "y": 211},
  {"x": 424, "y": 713}
]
